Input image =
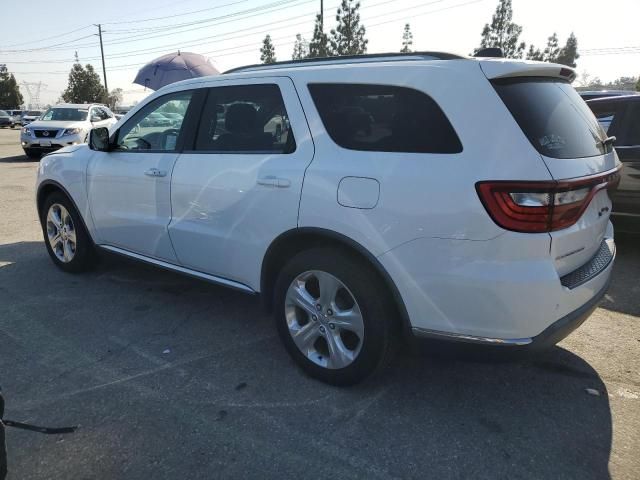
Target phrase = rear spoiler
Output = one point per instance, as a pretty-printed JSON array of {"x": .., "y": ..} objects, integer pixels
[{"x": 495, "y": 68}]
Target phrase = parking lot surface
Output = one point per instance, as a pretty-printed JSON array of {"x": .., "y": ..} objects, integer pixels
[{"x": 171, "y": 378}]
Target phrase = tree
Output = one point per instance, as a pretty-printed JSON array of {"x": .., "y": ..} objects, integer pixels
[
  {"x": 534, "y": 54},
  {"x": 348, "y": 37},
  {"x": 319, "y": 44},
  {"x": 552, "y": 50},
  {"x": 638, "y": 85},
  {"x": 300, "y": 48},
  {"x": 84, "y": 85},
  {"x": 115, "y": 97},
  {"x": 586, "y": 82},
  {"x": 10, "y": 96},
  {"x": 268, "y": 51},
  {"x": 569, "y": 53},
  {"x": 502, "y": 32},
  {"x": 407, "y": 39}
]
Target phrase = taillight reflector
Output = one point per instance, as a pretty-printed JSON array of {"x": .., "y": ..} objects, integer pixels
[{"x": 546, "y": 206}]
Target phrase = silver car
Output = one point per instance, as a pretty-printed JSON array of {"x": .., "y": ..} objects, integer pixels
[{"x": 63, "y": 125}]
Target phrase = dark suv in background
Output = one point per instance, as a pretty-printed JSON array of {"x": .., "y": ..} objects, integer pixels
[{"x": 620, "y": 117}]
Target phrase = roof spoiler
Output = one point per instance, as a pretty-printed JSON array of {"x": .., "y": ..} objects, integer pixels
[{"x": 490, "y": 52}]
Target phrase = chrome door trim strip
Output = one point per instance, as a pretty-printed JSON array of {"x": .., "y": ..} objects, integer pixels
[
  {"x": 176, "y": 268},
  {"x": 461, "y": 337}
]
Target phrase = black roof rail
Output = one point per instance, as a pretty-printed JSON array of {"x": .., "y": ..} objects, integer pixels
[
  {"x": 490, "y": 52},
  {"x": 345, "y": 59}
]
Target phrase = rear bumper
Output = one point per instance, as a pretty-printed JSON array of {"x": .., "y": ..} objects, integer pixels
[
  {"x": 548, "y": 337},
  {"x": 487, "y": 293}
]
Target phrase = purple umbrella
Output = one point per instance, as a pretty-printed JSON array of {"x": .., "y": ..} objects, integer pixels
[{"x": 173, "y": 68}]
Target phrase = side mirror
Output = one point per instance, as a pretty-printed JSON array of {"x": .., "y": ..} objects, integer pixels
[
  {"x": 95, "y": 118},
  {"x": 99, "y": 139}
]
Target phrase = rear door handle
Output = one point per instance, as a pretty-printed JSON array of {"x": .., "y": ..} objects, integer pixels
[
  {"x": 154, "y": 172},
  {"x": 272, "y": 181}
]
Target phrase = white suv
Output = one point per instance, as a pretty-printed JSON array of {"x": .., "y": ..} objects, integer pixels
[
  {"x": 62, "y": 125},
  {"x": 363, "y": 198}
]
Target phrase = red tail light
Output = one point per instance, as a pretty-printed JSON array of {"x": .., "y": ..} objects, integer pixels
[{"x": 546, "y": 206}]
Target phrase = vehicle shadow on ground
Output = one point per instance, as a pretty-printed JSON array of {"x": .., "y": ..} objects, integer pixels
[
  {"x": 18, "y": 159},
  {"x": 226, "y": 400}
]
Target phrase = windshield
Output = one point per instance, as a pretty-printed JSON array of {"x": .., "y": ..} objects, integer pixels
[
  {"x": 552, "y": 115},
  {"x": 66, "y": 114},
  {"x": 33, "y": 113},
  {"x": 3, "y": 113}
]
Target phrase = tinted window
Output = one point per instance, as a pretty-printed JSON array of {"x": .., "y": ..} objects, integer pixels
[
  {"x": 384, "y": 118},
  {"x": 553, "y": 116},
  {"x": 631, "y": 126},
  {"x": 3, "y": 113},
  {"x": 149, "y": 130},
  {"x": 604, "y": 112},
  {"x": 66, "y": 114},
  {"x": 247, "y": 118}
]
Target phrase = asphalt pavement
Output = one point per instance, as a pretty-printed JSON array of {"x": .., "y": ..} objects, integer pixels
[{"x": 171, "y": 378}]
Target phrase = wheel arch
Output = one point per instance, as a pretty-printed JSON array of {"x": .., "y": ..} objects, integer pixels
[
  {"x": 294, "y": 241},
  {"x": 48, "y": 187}
]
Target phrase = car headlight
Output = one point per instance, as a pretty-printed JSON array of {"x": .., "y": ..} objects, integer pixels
[
  {"x": 72, "y": 131},
  {"x": 26, "y": 131}
]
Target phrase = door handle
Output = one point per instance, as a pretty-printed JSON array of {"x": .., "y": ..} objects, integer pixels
[
  {"x": 154, "y": 172},
  {"x": 271, "y": 181}
]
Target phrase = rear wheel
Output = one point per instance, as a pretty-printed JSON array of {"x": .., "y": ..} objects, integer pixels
[
  {"x": 334, "y": 316},
  {"x": 67, "y": 241}
]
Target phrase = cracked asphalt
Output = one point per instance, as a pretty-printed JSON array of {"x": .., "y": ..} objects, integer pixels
[{"x": 171, "y": 378}]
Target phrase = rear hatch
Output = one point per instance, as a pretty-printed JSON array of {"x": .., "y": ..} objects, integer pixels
[{"x": 572, "y": 145}]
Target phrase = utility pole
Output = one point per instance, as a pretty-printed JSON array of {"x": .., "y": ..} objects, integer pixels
[
  {"x": 321, "y": 16},
  {"x": 104, "y": 69}
]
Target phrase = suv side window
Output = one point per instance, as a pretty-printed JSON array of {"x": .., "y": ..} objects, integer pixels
[
  {"x": 630, "y": 128},
  {"x": 245, "y": 119},
  {"x": 605, "y": 112},
  {"x": 383, "y": 118},
  {"x": 145, "y": 132},
  {"x": 105, "y": 113}
]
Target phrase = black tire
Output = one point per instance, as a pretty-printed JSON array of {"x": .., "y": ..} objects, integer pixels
[
  {"x": 85, "y": 256},
  {"x": 32, "y": 154},
  {"x": 374, "y": 302}
]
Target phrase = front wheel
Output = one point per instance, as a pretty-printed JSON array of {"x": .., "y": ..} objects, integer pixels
[
  {"x": 67, "y": 241},
  {"x": 30, "y": 153},
  {"x": 334, "y": 316}
]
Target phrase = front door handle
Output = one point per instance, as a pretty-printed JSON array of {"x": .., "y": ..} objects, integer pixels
[
  {"x": 154, "y": 172},
  {"x": 272, "y": 181}
]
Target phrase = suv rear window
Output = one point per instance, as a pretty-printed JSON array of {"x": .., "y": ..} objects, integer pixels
[
  {"x": 383, "y": 118},
  {"x": 552, "y": 115}
]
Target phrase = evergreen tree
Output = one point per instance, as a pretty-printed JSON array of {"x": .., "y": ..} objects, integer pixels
[
  {"x": 534, "y": 53},
  {"x": 268, "y": 51},
  {"x": 319, "y": 44},
  {"x": 552, "y": 50},
  {"x": 10, "y": 96},
  {"x": 300, "y": 48},
  {"x": 502, "y": 32},
  {"x": 407, "y": 39},
  {"x": 348, "y": 36},
  {"x": 569, "y": 53},
  {"x": 84, "y": 85}
]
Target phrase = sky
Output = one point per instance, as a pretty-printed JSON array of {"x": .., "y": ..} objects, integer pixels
[{"x": 38, "y": 44}]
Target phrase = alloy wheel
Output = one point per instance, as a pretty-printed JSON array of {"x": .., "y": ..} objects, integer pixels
[
  {"x": 324, "y": 319},
  {"x": 61, "y": 233}
]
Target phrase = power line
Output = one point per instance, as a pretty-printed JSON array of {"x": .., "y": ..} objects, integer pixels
[
  {"x": 46, "y": 48},
  {"x": 49, "y": 38},
  {"x": 176, "y": 15}
]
